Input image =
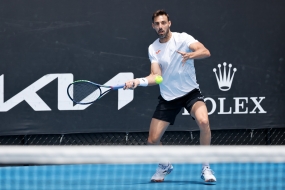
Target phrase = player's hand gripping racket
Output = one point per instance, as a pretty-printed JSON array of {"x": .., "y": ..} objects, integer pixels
[{"x": 86, "y": 92}]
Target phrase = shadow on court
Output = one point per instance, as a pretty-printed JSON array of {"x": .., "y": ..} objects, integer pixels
[{"x": 178, "y": 182}]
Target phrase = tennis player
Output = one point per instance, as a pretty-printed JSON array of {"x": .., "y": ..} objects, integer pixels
[{"x": 172, "y": 57}]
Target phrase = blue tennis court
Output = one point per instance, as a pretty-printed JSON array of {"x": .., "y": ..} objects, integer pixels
[{"x": 137, "y": 176}]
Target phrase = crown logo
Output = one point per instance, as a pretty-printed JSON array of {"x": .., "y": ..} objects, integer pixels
[{"x": 224, "y": 80}]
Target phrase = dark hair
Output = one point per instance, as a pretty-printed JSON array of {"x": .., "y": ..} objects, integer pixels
[{"x": 158, "y": 13}]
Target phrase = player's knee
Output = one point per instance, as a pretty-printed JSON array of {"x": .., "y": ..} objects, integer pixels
[{"x": 203, "y": 123}]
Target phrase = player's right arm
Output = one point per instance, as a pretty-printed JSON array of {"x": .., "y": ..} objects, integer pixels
[
  {"x": 154, "y": 71},
  {"x": 150, "y": 79}
]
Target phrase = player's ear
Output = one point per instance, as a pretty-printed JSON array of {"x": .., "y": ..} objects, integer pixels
[
  {"x": 169, "y": 23},
  {"x": 152, "y": 25}
]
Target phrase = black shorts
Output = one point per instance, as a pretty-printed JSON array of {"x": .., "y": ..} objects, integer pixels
[{"x": 168, "y": 110}]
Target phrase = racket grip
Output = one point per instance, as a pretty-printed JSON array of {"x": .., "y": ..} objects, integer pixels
[{"x": 118, "y": 87}]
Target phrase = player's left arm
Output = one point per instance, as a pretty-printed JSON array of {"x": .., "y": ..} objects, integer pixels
[{"x": 199, "y": 51}]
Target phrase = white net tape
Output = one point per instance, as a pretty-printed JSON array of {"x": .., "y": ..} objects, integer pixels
[{"x": 139, "y": 154}]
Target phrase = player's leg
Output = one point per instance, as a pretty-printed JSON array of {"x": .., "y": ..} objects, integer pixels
[
  {"x": 156, "y": 131},
  {"x": 200, "y": 113},
  {"x": 163, "y": 116}
]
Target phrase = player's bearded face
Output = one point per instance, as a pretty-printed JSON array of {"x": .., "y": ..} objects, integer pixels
[{"x": 161, "y": 26}]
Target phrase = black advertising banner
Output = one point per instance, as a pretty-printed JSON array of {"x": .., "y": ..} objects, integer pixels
[{"x": 45, "y": 45}]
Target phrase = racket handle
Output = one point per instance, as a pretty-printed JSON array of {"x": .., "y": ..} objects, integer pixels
[{"x": 118, "y": 87}]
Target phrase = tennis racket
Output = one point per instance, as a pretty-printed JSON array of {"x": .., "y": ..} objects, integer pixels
[{"x": 86, "y": 92}]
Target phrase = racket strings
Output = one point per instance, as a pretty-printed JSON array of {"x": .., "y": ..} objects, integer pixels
[{"x": 84, "y": 92}]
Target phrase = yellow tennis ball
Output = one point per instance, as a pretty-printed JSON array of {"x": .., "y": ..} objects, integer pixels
[{"x": 158, "y": 79}]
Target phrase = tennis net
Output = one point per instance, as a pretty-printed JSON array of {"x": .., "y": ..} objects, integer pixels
[{"x": 131, "y": 167}]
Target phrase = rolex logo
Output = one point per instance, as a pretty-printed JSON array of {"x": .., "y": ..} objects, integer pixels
[{"x": 225, "y": 80}]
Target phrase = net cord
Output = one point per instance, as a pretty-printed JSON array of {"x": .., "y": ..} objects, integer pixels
[{"x": 139, "y": 154}]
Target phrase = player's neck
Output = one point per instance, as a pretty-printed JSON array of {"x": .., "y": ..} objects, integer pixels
[{"x": 167, "y": 38}]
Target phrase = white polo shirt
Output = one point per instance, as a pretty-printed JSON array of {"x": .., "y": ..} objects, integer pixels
[{"x": 178, "y": 80}]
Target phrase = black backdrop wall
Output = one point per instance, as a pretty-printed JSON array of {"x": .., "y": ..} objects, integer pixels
[{"x": 47, "y": 44}]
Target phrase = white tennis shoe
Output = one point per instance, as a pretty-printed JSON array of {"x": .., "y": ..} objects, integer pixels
[
  {"x": 161, "y": 171},
  {"x": 208, "y": 175}
]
